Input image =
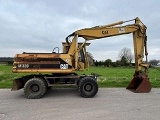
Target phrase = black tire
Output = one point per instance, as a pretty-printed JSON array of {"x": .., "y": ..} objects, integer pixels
[
  {"x": 35, "y": 88},
  {"x": 88, "y": 87},
  {"x": 48, "y": 88}
]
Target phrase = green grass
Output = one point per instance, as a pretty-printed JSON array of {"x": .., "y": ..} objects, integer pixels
[
  {"x": 6, "y": 76},
  {"x": 110, "y": 77},
  {"x": 121, "y": 76}
]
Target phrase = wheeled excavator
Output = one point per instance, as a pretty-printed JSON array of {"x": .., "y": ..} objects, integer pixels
[{"x": 50, "y": 69}]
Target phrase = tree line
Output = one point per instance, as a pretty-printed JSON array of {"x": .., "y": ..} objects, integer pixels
[{"x": 125, "y": 59}]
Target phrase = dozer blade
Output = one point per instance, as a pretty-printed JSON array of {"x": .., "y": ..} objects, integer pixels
[
  {"x": 17, "y": 84},
  {"x": 140, "y": 84}
]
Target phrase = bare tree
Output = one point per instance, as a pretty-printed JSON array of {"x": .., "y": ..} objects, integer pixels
[{"x": 127, "y": 54}]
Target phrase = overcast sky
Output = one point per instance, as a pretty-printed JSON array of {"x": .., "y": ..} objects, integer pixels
[{"x": 41, "y": 25}]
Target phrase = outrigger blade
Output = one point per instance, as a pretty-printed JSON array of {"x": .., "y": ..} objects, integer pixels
[
  {"x": 17, "y": 84},
  {"x": 140, "y": 83}
]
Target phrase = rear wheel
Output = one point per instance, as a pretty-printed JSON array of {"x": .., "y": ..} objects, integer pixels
[
  {"x": 35, "y": 88},
  {"x": 88, "y": 87}
]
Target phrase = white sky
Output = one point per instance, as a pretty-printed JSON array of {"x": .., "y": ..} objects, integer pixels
[{"x": 41, "y": 25}]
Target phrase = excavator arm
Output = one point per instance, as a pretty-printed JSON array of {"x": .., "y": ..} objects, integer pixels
[
  {"x": 102, "y": 32},
  {"x": 138, "y": 29},
  {"x": 109, "y": 30},
  {"x": 139, "y": 38}
]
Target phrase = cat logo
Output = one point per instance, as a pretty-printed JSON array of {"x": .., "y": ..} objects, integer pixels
[{"x": 63, "y": 66}]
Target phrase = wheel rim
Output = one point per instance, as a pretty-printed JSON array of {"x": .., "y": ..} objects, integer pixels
[
  {"x": 88, "y": 87},
  {"x": 34, "y": 88}
]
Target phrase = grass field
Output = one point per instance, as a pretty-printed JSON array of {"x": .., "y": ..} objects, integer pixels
[{"x": 110, "y": 77}]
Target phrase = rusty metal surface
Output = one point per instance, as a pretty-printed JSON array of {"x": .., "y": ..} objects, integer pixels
[
  {"x": 17, "y": 84},
  {"x": 140, "y": 84}
]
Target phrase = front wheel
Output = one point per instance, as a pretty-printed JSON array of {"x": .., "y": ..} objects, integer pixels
[
  {"x": 35, "y": 88},
  {"x": 88, "y": 87}
]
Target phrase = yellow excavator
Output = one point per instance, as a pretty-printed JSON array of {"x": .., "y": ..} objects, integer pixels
[{"x": 50, "y": 69}]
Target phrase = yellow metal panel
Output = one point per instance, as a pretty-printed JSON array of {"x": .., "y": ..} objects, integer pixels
[
  {"x": 66, "y": 58},
  {"x": 43, "y": 71}
]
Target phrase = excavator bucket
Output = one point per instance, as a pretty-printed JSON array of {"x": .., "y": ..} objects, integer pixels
[{"x": 140, "y": 84}]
